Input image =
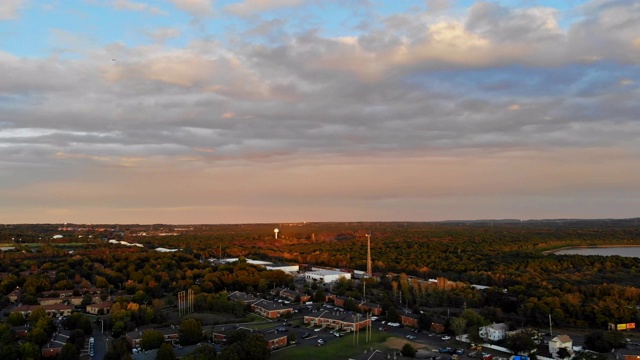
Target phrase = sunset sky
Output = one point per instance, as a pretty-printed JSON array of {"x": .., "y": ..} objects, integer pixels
[{"x": 228, "y": 111}]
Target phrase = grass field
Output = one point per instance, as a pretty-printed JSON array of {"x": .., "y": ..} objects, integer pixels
[{"x": 338, "y": 348}]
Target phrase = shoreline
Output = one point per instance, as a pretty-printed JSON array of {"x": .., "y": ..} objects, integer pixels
[{"x": 587, "y": 247}]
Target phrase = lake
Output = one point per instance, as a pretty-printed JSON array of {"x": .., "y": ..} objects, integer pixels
[{"x": 627, "y": 251}]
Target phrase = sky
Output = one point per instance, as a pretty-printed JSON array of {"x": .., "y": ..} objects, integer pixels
[{"x": 248, "y": 111}]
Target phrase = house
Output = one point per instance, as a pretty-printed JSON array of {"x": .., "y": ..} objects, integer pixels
[
  {"x": 363, "y": 306},
  {"x": 270, "y": 309},
  {"x": 340, "y": 301},
  {"x": 100, "y": 309},
  {"x": 54, "y": 346},
  {"x": 560, "y": 341},
  {"x": 409, "y": 319},
  {"x": 171, "y": 334},
  {"x": 494, "y": 332},
  {"x": 368, "y": 307},
  {"x": 275, "y": 340},
  {"x": 219, "y": 336},
  {"x": 14, "y": 295},
  {"x": 243, "y": 297},
  {"x": 54, "y": 310},
  {"x": 293, "y": 295},
  {"x": 338, "y": 320},
  {"x": 260, "y": 306}
]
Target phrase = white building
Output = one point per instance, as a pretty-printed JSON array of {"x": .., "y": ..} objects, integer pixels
[
  {"x": 560, "y": 341},
  {"x": 494, "y": 332},
  {"x": 325, "y": 276},
  {"x": 285, "y": 268}
]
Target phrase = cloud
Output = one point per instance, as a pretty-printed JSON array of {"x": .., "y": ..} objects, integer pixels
[
  {"x": 197, "y": 8},
  {"x": 9, "y": 8},
  {"x": 248, "y": 7},
  {"x": 524, "y": 107},
  {"x": 161, "y": 35},
  {"x": 136, "y": 6}
]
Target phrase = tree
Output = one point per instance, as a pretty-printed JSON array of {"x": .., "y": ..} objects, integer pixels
[
  {"x": 292, "y": 338},
  {"x": 29, "y": 351},
  {"x": 16, "y": 319},
  {"x": 424, "y": 321},
  {"x": 190, "y": 332},
  {"x": 601, "y": 341},
  {"x": 151, "y": 339},
  {"x": 202, "y": 352},
  {"x": 68, "y": 352},
  {"x": 119, "y": 349},
  {"x": 458, "y": 325},
  {"x": 166, "y": 352},
  {"x": 253, "y": 347},
  {"x": 392, "y": 314},
  {"x": 118, "y": 328},
  {"x": 38, "y": 336},
  {"x": 590, "y": 356},
  {"x": 408, "y": 351},
  {"x": 521, "y": 342},
  {"x": 563, "y": 353}
]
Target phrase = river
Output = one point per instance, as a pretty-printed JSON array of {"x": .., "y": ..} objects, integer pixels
[{"x": 627, "y": 251}]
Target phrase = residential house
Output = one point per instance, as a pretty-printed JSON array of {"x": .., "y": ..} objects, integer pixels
[
  {"x": 100, "y": 309},
  {"x": 494, "y": 332},
  {"x": 14, "y": 295},
  {"x": 560, "y": 341},
  {"x": 54, "y": 346},
  {"x": 171, "y": 334},
  {"x": 53, "y": 310}
]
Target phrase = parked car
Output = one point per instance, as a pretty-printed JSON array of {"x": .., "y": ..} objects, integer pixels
[
  {"x": 306, "y": 335},
  {"x": 445, "y": 350},
  {"x": 446, "y": 337},
  {"x": 411, "y": 337},
  {"x": 459, "y": 351}
]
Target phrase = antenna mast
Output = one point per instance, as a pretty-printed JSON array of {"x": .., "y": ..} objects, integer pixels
[{"x": 369, "y": 267}]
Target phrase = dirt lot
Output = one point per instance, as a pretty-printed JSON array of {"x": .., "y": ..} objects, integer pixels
[{"x": 398, "y": 343}]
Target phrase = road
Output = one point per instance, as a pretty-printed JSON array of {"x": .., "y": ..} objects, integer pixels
[{"x": 100, "y": 346}]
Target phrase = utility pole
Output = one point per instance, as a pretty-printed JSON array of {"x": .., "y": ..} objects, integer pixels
[{"x": 550, "y": 329}]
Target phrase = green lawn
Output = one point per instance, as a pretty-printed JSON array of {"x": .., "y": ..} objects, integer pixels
[{"x": 336, "y": 348}]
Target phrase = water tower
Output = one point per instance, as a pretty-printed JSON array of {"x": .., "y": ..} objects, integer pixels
[{"x": 276, "y": 231}]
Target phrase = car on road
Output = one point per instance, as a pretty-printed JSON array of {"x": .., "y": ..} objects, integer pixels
[
  {"x": 306, "y": 335},
  {"x": 444, "y": 350},
  {"x": 446, "y": 337},
  {"x": 411, "y": 337},
  {"x": 459, "y": 351},
  {"x": 318, "y": 329}
]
